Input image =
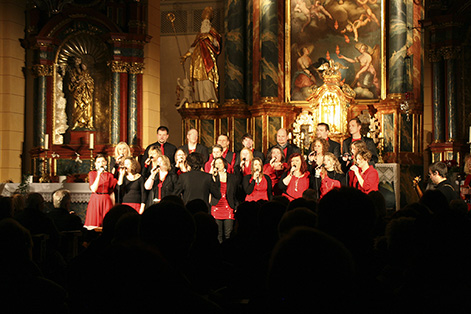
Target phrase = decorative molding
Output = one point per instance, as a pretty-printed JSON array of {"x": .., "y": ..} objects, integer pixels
[
  {"x": 118, "y": 66},
  {"x": 450, "y": 52},
  {"x": 434, "y": 55},
  {"x": 42, "y": 70}
]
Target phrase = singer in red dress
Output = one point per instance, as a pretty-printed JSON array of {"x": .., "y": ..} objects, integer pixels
[
  {"x": 102, "y": 184},
  {"x": 257, "y": 186},
  {"x": 275, "y": 168},
  {"x": 363, "y": 175},
  {"x": 295, "y": 180}
]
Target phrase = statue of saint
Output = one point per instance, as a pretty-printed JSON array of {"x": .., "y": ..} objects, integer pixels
[
  {"x": 81, "y": 87},
  {"x": 203, "y": 68}
]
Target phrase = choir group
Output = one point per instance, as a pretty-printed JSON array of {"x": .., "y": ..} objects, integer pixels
[{"x": 223, "y": 179}]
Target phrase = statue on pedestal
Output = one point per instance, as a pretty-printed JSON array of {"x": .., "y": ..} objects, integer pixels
[
  {"x": 203, "y": 68},
  {"x": 81, "y": 87}
]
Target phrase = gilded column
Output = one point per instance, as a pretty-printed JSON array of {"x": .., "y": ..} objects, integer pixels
[
  {"x": 117, "y": 67},
  {"x": 135, "y": 69},
  {"x": 40, "y": 72},
  {"x": 269, "y": 49},
  {"x": 437, "y": 97},
  {"x": 234, "y": 51},
  {"x": 397, "y": 45},
  {"x": 450, "y": 55}
]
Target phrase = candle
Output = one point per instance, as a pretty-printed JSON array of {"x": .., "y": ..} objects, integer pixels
[
  {"x": 46, "y": 142},
  {"x": 470, "y": 134},
  {"x": 92, "y": 142}
]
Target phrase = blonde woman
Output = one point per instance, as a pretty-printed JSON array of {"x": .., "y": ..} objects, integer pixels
[
  {"x": 161, "y": 181},
  {"x": 331, "y": 174},
  {"x": 121, "y": 152}
]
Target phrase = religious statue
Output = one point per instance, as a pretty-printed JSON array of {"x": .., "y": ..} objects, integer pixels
[
  {"x": 81, "y": 87},
  {"x": 203, "y": 68}
]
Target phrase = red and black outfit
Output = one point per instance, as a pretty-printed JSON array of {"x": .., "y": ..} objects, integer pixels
[
  {"x": 275, "y": 176},
  {"x": 256, "y": 191},
  {"x": 160, "y": 189},
  {"x": 370, "y": 180},
  {"x": 295, "y": 187},
  {"x": 100, "y": 201},
  {"x": 133, "y": 193},
  {"x": 222, "y": 209}
]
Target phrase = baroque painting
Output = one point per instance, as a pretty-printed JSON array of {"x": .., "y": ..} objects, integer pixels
[{"x": 346, "y": 31}]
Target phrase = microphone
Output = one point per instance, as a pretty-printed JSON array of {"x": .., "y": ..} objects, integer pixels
[
  {"x": 215, "y": 171},
  {"x": 293, "y": 169}
]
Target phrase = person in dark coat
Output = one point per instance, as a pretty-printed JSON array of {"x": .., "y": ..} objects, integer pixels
[
  {"x": 63, "y": 218},
  {"x": 192, "y": 145}
]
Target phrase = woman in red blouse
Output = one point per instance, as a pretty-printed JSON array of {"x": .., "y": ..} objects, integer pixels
[
  {"x": 295, "y": 180},
  {"x": 102, "y": 184},
  {"x": 365, "y": 177},
  {"x": 275, "y": 168},
  {"x": 222, "y": 209},
  {"x": 257, "y": 185}
]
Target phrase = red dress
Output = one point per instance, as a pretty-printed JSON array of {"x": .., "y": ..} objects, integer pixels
[
  {"x": 100, "y": 201},
  {"x": 222, "y": 210},
  {"x": 275, "y": 176},
  {"x": 370, "y": 180},
  {"x": 259, "y": 191},
  {"x": 297, "y": 186}
]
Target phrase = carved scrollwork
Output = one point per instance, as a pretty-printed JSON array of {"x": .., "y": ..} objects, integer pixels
[
  {"x": 42, "y": 70},
  {"x": 434, "y": 55},
  {"x": 450, "y": 52}
]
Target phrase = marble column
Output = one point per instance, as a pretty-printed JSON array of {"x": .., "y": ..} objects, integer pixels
[
  {"x": 437, "y": 97},
  {"x": 40, "y": 72},
  {"x": 234, "y": 27},
  {"x": 451, "y": 104},
  {"x": 269, "y": 49},
  {"x": 117, "y": 67},
  {"x": 397, "y": 45},
  {"x": 135, "y": 69}
]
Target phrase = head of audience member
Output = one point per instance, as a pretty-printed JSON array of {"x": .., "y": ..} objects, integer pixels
[
  {"x": 100, "y": 162},
  {"x": 174, "y": 198},
  {"x": 126, "y": 229},
  {"x": 195, "y": 161},
  {"x": 162, "y": 134},
  {"x": 257, "y": 166},
  {"x": 122, "y": 150},
  {"x": 302, "y": 202},
  {"x": 35, "y": 202},
  {"x": 269, "y": 217},
  {"x": 348, "y": 215},
  {"x": 354, "y": 127},
  {"x": 437, "y": 172},
  {"x": 247, "y": 141},
  {"x": 282, "y": 137},
  {"x": 62, "y": 199},
  {"x": 223, "y": 140},
  {"x": 6, "y": 207},
  {"x": 246, "y": 154},
  {"x": 298, "y": 162},
  {"x": 15, "y": 244},
  {"x": 331, "y": 163},
  {"x": 297, "y": 217},
  {"x": 131, "y": 165},
  {"x": 320, "y": 146},
  {"x": 277, "y": 154},
  {"x": 18, "y": 202},
  {"x": 169, "y": 227},
  {"x": 310, "y": 271},
  {"x": 217, "y": 151},
  {"x": 197, "y": 205},
  {"x": 113, "y": 216},
  {"x": 323, "y": 130},
  {"x": 435, "y": 200},
  {"x": 192, "y": 136},
  {"x": 154, "y": 153},
  {"x": 310, "y": 195}
]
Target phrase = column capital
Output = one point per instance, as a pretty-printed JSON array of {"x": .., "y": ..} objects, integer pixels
[
  {"x": 118, "y": 66},
  {"x": 450, "y": 52},
  {"x": 42, "y": 70},
  {"x": 136, "y": 68},
  {"x": 434, "y": 55}
]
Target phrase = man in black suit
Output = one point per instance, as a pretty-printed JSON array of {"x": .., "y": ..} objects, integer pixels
[
  {"x": 196, "y": 184},
  {"x": 166, "y": 148},
  {"x": 282, "y": 142},
  {"x": 323, "y": 131},
  {"x": 247, "y": 142},
  {"x": 354, "y": 127},
  {"x": 192, "y": 145}
]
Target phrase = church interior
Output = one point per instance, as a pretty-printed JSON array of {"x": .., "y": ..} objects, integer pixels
[{"x": 400, "y": 66}]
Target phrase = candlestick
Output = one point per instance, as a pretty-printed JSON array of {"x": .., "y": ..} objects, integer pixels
[
  {"x": 92, "y": 141},
  {"x": 469, "y": 134},
  {"x": 46, "y": 142}
]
